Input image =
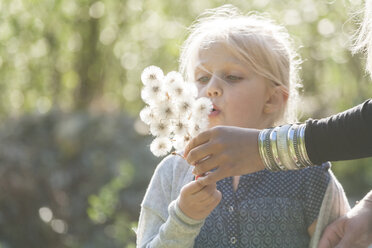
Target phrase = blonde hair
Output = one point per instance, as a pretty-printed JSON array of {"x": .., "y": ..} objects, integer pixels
[
  {"x": 255, "y": 40},
  {"x": 363, "y": 38}
]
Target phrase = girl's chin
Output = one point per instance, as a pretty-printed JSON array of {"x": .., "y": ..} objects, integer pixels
[{"x": 213, "y": 123}]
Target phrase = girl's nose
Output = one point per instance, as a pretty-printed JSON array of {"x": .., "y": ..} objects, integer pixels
[{"x": 214, "y": 88}]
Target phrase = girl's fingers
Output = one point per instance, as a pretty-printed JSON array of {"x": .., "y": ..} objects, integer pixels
[
  {"x": 192, "y": 187},
  {"x": 212, "y": 177},
  {"x": 207, "y": 195},
  {"x": 213, "y": 200},
  {"x": 198, "y": 188}
]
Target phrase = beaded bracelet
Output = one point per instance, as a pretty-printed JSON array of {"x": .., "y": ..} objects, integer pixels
[{"x": 283, "y": 148}]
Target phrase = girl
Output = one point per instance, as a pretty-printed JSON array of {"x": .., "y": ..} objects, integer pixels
[{"x": 246, "y": 66}]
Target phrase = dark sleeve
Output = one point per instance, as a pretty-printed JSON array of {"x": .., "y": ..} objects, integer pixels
[{"x": 344, "y": 136}]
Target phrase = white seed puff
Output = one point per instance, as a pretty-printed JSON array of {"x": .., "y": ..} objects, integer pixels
[
  {"x": 173, "y": 111},
  {"x": 152, "y": 74}
]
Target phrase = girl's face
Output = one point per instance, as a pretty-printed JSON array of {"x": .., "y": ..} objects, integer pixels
[{"x": 238, "y": 94}]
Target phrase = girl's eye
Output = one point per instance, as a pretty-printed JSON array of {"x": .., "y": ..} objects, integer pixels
[
  {"x": 233, "y": 78},
  {"x": 203, "y": 79}
]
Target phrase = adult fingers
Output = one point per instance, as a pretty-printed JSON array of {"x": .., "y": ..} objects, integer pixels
[
  {"x": 348, "y": 241},
  {"x": 330, "y": 237},
  {"x": 206, "y": 165},
  {"x": 325, "y": 243},
  {"x": 200, "y": 153},
  {"x": 201, "y": 138}
]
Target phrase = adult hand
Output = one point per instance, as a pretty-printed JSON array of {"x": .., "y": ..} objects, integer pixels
[
  {"x": 197, "y": 201},
  {"x": 231, "y": 151},
  {"x": 352, "y": 230}
]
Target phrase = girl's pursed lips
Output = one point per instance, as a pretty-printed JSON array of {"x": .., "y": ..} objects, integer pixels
[
  {"x": 215, "y": 108},
  {"x": 215, "y": 111}
]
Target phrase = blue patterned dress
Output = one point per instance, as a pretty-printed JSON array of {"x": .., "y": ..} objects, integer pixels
[{"x": 268, "y": 209}]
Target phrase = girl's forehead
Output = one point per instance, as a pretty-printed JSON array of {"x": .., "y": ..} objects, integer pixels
[
  {"x": 217, "y": 54},
  {"x": 215, "y": 50}
]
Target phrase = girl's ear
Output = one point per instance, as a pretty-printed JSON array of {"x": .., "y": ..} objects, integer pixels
[{"x": 277, "y": 98}]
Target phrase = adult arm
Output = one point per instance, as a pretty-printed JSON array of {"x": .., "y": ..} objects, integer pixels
[
  {"x": 234, "y": 151},
  {"x": 344, "y": 136}
]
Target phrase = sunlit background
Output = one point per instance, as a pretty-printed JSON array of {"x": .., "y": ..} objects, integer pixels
[{"x": 74, "y": 157}]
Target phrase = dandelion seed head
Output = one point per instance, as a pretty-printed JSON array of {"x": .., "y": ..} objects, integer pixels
[
  {"x": 155, "y": 89},
  {"x": 194, "y": 129},
  {"x": 152, "y": 93},
  {"x": 165, "y": 110},
  {"x": 202, "y": 107},
  {"x": 161, "y": 146},
  {"x": 152, "y": 74},
  {"x": 173, "y": 77},
  {"x": 198, "y": 125},
  {"x": 179, "y": 142},
  {"x": 160, "y": 129},
  {"x": 147, "y": 115},
  {"x": 184, "y": 106},
  {"x": 177, "y": 90},
  {"x": 180, "y": 128}
]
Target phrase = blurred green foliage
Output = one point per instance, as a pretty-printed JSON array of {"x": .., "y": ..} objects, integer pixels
[
  {"x": 71, "y": 180},
  {"x": 75, "y": 163}
]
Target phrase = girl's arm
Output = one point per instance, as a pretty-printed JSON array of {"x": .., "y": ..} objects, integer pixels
[
  {"x": 162, "y": 223},
  {"x": 176, "y": 231},
  {"x": 148, "y": 226}
]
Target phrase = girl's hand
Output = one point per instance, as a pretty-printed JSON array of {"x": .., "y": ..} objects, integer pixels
[
  {"x": 232, "y": 151},
  {"x": 197, "y": 200}
]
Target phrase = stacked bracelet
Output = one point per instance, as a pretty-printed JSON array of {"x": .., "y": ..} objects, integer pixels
[
  {"x": 283, "y": 145},
  {"x": 264, "y": 149},
  {"x": 283, "y": 148},
  {"x": 275, "y": 151}
]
